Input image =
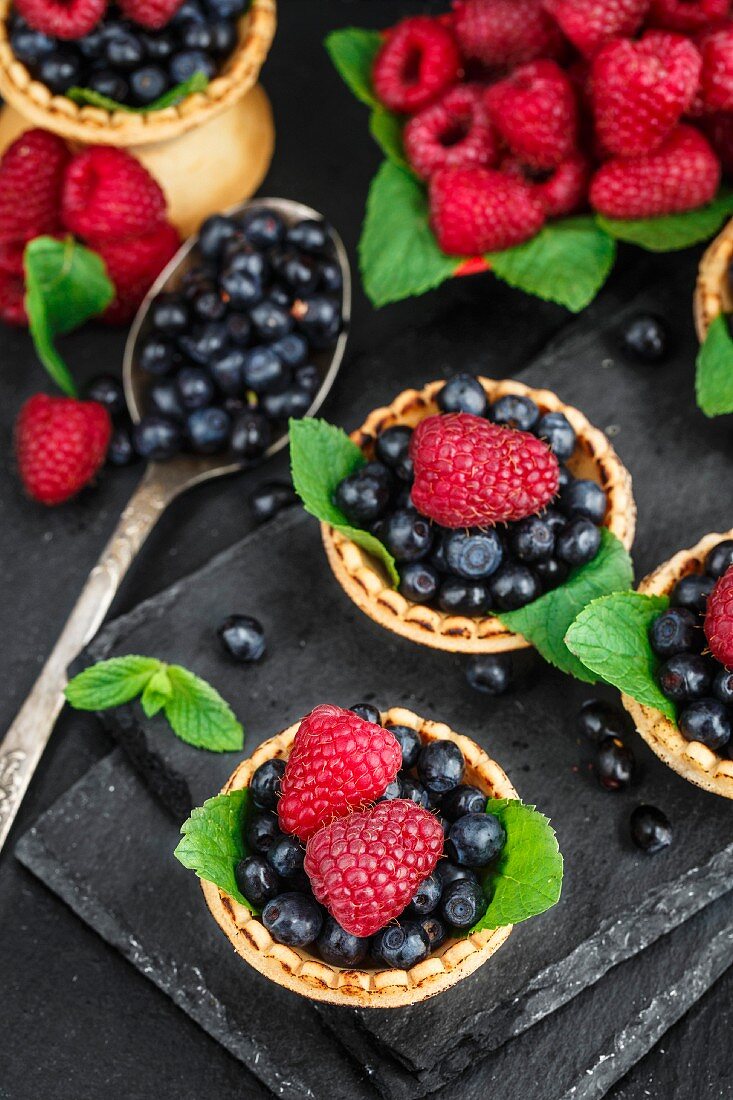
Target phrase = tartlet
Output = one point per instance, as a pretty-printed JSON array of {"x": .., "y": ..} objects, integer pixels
[
  {"x": 713, "y": 291},
  {"x": 299, "y": 970},
  {"x": 690, "y": 759},
  {"x": 364, "y": 580}
]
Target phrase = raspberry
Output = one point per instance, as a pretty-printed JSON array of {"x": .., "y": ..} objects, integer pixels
[
  {"x": 134, "y": 265},
  {"x": 716, "y": 81},
  {"x": 11, "y": 255},
  {"x": 366, "y": 867},
  {"x": 108, "y": 194},
  {"x": 561, "y": 191},
  {"x": 153, "y": 14},
  {"x": 417, "y": 62},
  {"x": 719, "y": 619},
  {"x": 338, "y": 763},
  {"x": 62, "y": 18},
  {"x": 641, "y": 89},
  {"x": 590, "y": 23},
  {"x": 60, "y": 444},
  {"x": 474, "y": 210},
  {"x": 501, "y": 33},
  {"x": 535, "y": 112},
  {"x": 719, "y": 129},
  {"x": 682, "y": 174},
  {"x": 12, "y": 299},
  {"x": 687, "y": 16},
  {"x": 31, "y": 175},
  {"x": 454, "y": 133},
  {"x": 470, "y": 472}
]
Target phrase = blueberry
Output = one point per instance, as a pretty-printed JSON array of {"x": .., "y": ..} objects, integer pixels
[
  {"x": 459, "y": 597},
  {"x": 292, "y": 403},
  {"x": 270, "y": 320},
  {"x": 121, "y": 451},
  {"x": 490, "y": 673},
  {"x": 227, "y": 371},
  {"x": 293, "y": 919},
  {"x": 650, "y": 829},
  {"x": 440, "y": 766},
  {"x": 169, "y": 314},
  {"x": 685, "y": 677},
  {"x": 554, "y": 519},
  {"x": 401, "y": 946},
  {"x": 474, "y": 554},
  {"x": 723, "y": 687},
  {"x": 645, "y": 337},
  {"x": 286, "y": 856},
  {"x": 583, "y": 497},
  {"x": 60, "y": 69},
  {"x": 207, "y": 303},
  {"x": 475, "y": 839},
  {"x": 319, "y": 318},
  {"x": 29, "y": 45},
  {"x": 614, "y": 764},
  {"x": 719, "y": 559},
  {"x": 280, "y": 296},
  {"x": 263, "y": 372},
  {"x": 407, "y": 535},
  {"x": 564, "y": 477},
  {"x": 532, "y": 539},
  {"x": 463, "y": 393},
  {"x": 91, "y": 45},
  {"x": 392, "y": 447},
  {"x": 264, "y": 786},
  {"x": 269, "y": 498},
  {"x": 707, "y": 721},
  {"x": 108, "y": 83},
  {"x": 675, "y": 631},
  {"x": 436, "y": 930},
  {"x": 195, "y": 35},
  {"x": 226, "y": 9},
  {"x": 515, "y": 411},
  {"x": 598, "y": 720},
  {"x": 156, "y": 356},
  {"x": 215, "y": 232},
  {"x": 392, "y": 791},
  {"x": 410, "y": 744},
  {"x": 449, "y": 872},
  {"x": 298, "y": 272},
  {"x": 426, "y": 897},
  {"x": 415, "y": 792},
  {"x": 309, "y": 235},
  {"x": 223, "y": 37},
  {"x": 204, "y": 342},
  {"x": 558, "y": 433},
  {"x": 165, "y": 399},
  {"x": 578, "y": 543},
  {"x": 124, "y": 51},
  {"x": 514, "y": 586},
  {"x": 362, "y": 497},
  {"x": 551, "y": 572},
  {"x": 251, "y": 435},
  {"x": 107, "y": 390},
  {"x": 692, "y": 592},
  {"x": 195, "y": 387},
  {"x": 337, "y": 947},
  {"x": 463, "y": 800},
  {"x": 292, "y": 349},
  {"x": 157, "y": 438},
  {"x": 147, "y": 84},
  {"x": 256, "y": 880},
  {"x": 368, "y": 712},
  {"x": 330, "y": 276},
  {"x": 208, "y": 430},
  {"x": 243, "y": 638},
  {"x": 187, "y": 63},
  {"x": 307, "y": 377},
  {"x": 263, "y": 227},
  {"x": 463, "y": 903},
  {"x": 242, "y": 289},
  {"x": 238, "y": 329},
  {"x": 419, "y": 582},
  {"x": 158, "y": 45},
  {"x": 262, "y": 830}
]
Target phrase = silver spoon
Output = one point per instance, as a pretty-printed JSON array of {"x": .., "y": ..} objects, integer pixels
[{"x": 24, "y": 742}]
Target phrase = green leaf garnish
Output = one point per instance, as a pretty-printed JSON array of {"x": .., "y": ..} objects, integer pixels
[
  {"x": 714, "y": 378},
  {"x": 545, "y": 621},
  {"x": 321, "y": 456},
  {"x": 352, "y": 51},
  {"x": 88, "y": 97},
  {"x": 673, "y": 231},
  {"x": 567, "y": 262},
  {"x": 66, "y": 284},
  {"x": 386, "y": 129},
  {"x": 611, "y": 637},
  {"x": 527, "y": 877},
  {"x": 195, "y": 710},
  {"x": 213, "y": 841}
]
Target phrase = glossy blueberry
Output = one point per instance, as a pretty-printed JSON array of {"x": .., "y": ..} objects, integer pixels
[
  {"x": 463, "y": 393},
  {"x": 251, "y": 435},
  {"x": 121, "y": 451},
  {"x": 270, "y": 320},
  {"x": 401, "y": 946},
  {"x": 238, "y": 329},
  {"x": 158, "y": 45},
  {"x": 207, "y": 303},
  {"x": 578, "y": 543},
  {"x": 292, "y": 349},
  {"x": 156, "y": 356},
  {"x": 169, "y": 314},
  {"x": 223, "y": 37},
  {"x": 475, "y": 554},
  {"x": 393, "y": 449},
  {"x": 490, "y": 673},
  {"x": 650, "y": 829},
  {"x": 205, "y": 342},
  {"x": 293, "y": 919},
  {"x": 692, "y": 592},
  {"x": 532, "y": 539},
  {"x": 415, "y": 792},
  {"x": 195, "y": 35},
  {"x": 243, "y": 289},
  {"x": 262, "y": 831},
  {"x": 407, "y": 535},
  {"x": 60, "y": 69},
  {"x": 419, "y": 582},
  {"x": 286, "y": 856},
  {"x": 368, "y": 712},
  {"x": 264, "y": 785},
  {"x": 263, "y": 227},
  {"x": 564, "y": 477},
  {"x": 475, "y": 839},
  {"x": 392, "y": 791},
  {"x": 362, "y": 497},
  {"x": 185, "y": 64},
  {"x": 297, "y": 271},
  {"x": 195, "y": 387},
  {"x": 615, "y": 764},
  {"x": 426, "y": 897},
  {"x": 91, "y": 45},
  {"x": 719, "y": 559},
  {"x": 463, "y": 903},
  {"x": 280, "y": 295},
  {"x": 514, "y": 586},
  {"x": 30, "y": 45},
  {"x": 459, "y": 597},
  {"x": 337, "y": 947},
  {"x": 256, "y": 880},
  {"x": 147, "y": 84},
  {"x": 165, "y": 399},
  {"x": 269, "y": 498},
  {"x": 440, "y": 766},
  {"x": 558, "y": 433},
  {"x": 723, "y": 687},
  {"x": 330, "y": 276},
  {"x": 227, "y": 371},
  {"x": 583, "y": 497},
  {"x": 677, "y": 630},
  {"x": 463, "y": 800},
  {"x": 288, "y": 404},
  {"x": 646, "y": 338},
  {"x": 515, "y": 411},
  {"x": 226, "y": 9},
  {"x": 263, "y": 372},
  {"x": 215, "y": 233},
  {"x": 243, "y": 638},
  {"x": 107, "y": 390},
  {"x": 309, "y": 235},
  {"x": 319, "y": 318},
  {"x": 554, "y": 519},
  {"x": 685, "y": 677},
  {"x": 598, "y": 720},
  {"x": 410, "y": 744},
  {"x": 157, "y": 438},
  {"x": 109, "y": 83},
  {"x": 449, "y": 872},
  {"x": 551, "y": 572},
  {"x": 124, "y": 51},
  {"x": 307, "y": 378},
  {"x": 208, "y": 430},
  {"x": 708, "y": 721},
  {"x": 188, "y": 10},
  {"x": 436, "y": 930}
]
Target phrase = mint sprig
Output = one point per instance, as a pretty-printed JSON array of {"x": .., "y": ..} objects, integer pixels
[
  {"x": 611, "y": 638},
  {"x": 213, "y": 841},
  {"x": 195, "y": 710},
  {"x": 714, "y": 377},
  {"x": 88, "y": 97},
  {"x": 673, "y": 231}
]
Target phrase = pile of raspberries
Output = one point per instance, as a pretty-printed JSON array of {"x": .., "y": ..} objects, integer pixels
[
  {"x": 103, "y": 196},
  {"x": 73, "y": 19},
  {"x": 524, "y": 110}
]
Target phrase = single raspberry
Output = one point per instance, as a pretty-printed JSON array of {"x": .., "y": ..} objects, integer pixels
[
  {"x": 687, "y": 16},
  {"x": 561, "y": 191},
  {"x": 535, "y": 112},
  {"x": 153, "y": 14},
  {"x": 12, "y": 299},
  {"x": 719, "y": 619},
  {"x": 716, "y": 80},
  {"x": 417, "y": 62},
  {"x": 590, "y": 23},
  {"x": 366, "y": 867},
  {"x": 719, "y": 129},
  {"x": 60, "y": 444},
  {"x": 681, "y": 174},
  {"x": 108, "y": 194},
  {"x": 62, "y": 18},
  {"x": 474, "y": 210},
  {"x": 133, "y": 266},
  {"x": 454, "y": 133},
  {"x": 641, "y": 89},
  {"x": 338, "y": 763},
  {"x": 472, "y": 473},
  {"x": 500, "y": 33},
  {"x": 31, "y": 175}
]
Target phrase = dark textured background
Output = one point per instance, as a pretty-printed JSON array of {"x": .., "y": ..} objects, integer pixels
[{"x": 76, "y": 1021}]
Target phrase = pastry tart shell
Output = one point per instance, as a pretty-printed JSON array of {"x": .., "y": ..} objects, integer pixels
[{"x": 713, "y": 291}]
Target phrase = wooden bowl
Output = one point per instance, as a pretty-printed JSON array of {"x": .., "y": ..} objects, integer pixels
[
  {"x": 366, "y": 583},
  {"x": 299, "y": 970},
  {"x": 713, "y": 291},
  {"x": 690, "y": 759}
]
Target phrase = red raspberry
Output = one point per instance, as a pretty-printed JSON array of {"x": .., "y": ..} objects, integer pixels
[
  {"x": 590, "y": 23},
  {"x": 133, "y": 266},
  {"x": 687, "y": 16},
  {"x": 474, "y": 210},
  {"x": 417, "y": 62},
  {"x": 716, "y": 82},
  {"x": 641, "y": 89},
  {"x": 31, "y": 175},
  {"x": 11, "y": 255},
  {"x": 682, "y": 174},
  {"x": 719, "y": 129},
  {"x": 62, "y": 18},
  {"x": 109, "y": 194},
  {"x": 472, "y": 473},
  {"x": 561, "y": 191},
  {"x": 366, "y": 867},
  {"x": 152, "y": 14},
  {"x": 338, "y": 763},
  {"x": 535, "y": 112},
  {"x": 454, "y": 133},
  {"x": 60, "y": 444},
  {"x": 719, "y": 619},
  {"x": 12, "y": 299},
  {"x": 500, "y": 33}
]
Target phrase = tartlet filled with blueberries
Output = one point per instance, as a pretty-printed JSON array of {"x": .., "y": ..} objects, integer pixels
[{"x": 370, "y": 859}]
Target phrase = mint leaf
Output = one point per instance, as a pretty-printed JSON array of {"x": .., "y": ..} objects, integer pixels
[
  {"x": 198, "y": 714},
  {"x": 111, "y": 683},
  {"x": 213, "y": 841},
  {"x": 611, "y": 638},
  {"x": 352, "y": 51},
  {"x": 567, "y": 262},
  {"x": 386, "y": 129},
  {"x": 66, "y": 284},
  {"x": 157, "y": 692},
  {"x": 673, "y": 231},
  {"x": 398, "y": 253},
  {"x": 321, "y": 456},
  {"x": 714, "y": 378},
  {"x": 87, "y": 96},
  {"x": 527, "y": 877},
  {"x": 545, "y": 621}
]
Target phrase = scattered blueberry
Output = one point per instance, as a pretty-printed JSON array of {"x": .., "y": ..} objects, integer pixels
[
  {"x": 614, "y": 764},
  {"x": 598, "y": 720},
  {"x": 490, "y": 673},
  {"x": 243, "y": 638},
  {"x": 646, "y": 338},
  {"x": 650, "y": 829},
  {"x": 440, "y": 766},
  {"x": 251, "y": 435},
  {"x": 293, "y": 919},
  {"x": 269, "y": 498},
  {"x": 264, "y": 786},
  {"x": 121, "y": 451}
]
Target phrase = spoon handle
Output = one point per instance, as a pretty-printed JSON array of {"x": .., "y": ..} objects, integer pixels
[{"x": 24, "y": 742}]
